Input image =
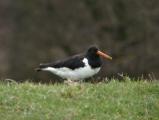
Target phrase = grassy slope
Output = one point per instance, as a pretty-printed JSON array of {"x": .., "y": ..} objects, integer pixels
[{"x": 111, "y": 101}]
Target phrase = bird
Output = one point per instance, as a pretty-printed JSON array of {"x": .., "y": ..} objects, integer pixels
[{"x": 77, "y": 67}]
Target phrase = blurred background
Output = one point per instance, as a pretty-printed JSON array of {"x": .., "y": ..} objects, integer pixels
[{"x": 37, "y": 31}]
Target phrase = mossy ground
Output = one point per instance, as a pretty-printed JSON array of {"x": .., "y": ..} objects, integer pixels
[{"x": 137, "y": 100}]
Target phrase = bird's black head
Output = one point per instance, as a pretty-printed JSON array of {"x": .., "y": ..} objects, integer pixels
[
  {"x": 93, "y": 55},
  {"x": 93, "y": 58},
  {"x": 92, "y": 52}
]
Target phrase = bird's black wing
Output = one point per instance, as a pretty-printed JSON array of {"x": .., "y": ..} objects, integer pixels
[{"x": 72, "y": 63}]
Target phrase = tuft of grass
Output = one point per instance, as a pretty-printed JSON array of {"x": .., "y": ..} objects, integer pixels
[{"x": 137, "y": 100}]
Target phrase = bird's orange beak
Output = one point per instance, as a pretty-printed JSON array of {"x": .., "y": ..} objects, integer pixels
[{"x": 104, "y": 55}]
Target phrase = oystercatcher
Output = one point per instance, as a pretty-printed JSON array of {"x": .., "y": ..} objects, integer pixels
[{"x": 77, "y": 67}]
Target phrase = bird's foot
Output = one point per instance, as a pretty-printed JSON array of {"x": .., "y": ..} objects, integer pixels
[{"x": 71, "y": 82}]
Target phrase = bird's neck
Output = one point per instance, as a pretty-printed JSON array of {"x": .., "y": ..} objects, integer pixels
[{"x": 94, "y": 61}]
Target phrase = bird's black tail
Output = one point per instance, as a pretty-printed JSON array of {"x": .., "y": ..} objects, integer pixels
[
  {"x": 41, "y": 66},
  {"x": 38, "y": 69}
]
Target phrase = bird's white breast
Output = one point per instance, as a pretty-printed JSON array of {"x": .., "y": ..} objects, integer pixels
[{"x": 76, "y": 74}]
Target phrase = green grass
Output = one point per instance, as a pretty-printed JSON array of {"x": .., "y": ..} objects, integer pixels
[{"x": 103, "y": 101}]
